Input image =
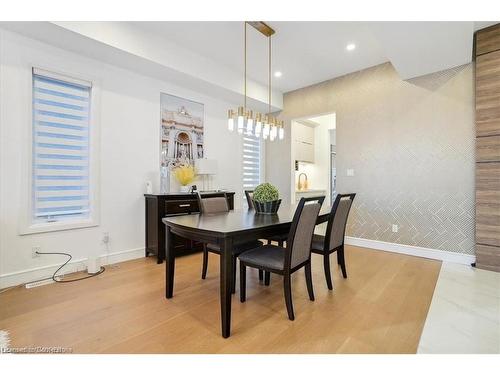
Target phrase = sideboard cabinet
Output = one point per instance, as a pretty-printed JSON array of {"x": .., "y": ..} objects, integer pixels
[{"x": 159, "y": 206}]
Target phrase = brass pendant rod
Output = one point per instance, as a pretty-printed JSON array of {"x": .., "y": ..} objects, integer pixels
[
  {"x": 245, "y": 58},
  {"x": 270, "y": 49},
  {"x": 262, "y": 27}
]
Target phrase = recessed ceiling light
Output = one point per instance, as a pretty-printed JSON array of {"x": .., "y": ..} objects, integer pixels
[
  {"x": 278, "y": 74},
  {"x": 350, "y": 47}
]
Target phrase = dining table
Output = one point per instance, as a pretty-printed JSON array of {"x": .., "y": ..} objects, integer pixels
[{"x": 226, "y": 230}]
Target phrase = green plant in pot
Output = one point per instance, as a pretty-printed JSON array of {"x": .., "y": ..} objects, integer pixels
[{"x": 266, "y": 199}]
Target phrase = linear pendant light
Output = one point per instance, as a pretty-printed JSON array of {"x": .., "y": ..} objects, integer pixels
[{"x": 243, "y": 119}]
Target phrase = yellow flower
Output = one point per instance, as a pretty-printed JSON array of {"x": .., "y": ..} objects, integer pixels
[{"x": 184, "y": 174}]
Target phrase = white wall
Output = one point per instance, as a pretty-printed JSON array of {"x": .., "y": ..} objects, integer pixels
[{"x": 129, "y": 128}]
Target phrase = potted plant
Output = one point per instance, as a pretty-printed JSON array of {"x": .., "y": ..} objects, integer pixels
[
  {"x": 184, "y": 175},
  {"x": 266, "y": 199}
]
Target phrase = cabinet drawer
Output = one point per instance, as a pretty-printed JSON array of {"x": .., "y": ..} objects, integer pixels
[
  {"x": 488, "y": 148},
  {"x": 488, "y": 94},
  {"x": 488, "y": 203},
  {"x": 181, "y": 207},
  {"x": 488, "y": 40},
  {"x": 488, "y": 257}
]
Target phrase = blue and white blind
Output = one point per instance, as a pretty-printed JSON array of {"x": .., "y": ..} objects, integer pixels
[
  {"x": 251, "y": 162},
  {"x": 61, "y": 114}
]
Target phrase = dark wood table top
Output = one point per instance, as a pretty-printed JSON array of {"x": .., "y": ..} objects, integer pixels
[
  {"x": 239, "y": 220},
  {"x": 227, "y": 230}
]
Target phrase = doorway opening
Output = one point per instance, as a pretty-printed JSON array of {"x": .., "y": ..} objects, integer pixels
[{"x": 313, "y": 150}]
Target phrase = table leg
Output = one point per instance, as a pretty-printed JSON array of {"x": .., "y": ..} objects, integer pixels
[
  {"x": 170, "y": 263},
  {"x": 226, "y": 277}
]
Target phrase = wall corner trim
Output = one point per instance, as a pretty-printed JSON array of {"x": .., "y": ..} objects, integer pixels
[{"x": 422, "y": 252}]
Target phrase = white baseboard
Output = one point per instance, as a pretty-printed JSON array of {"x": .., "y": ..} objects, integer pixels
[
  {"x": 22, "y": 277},
  {"x": 26, "y": 276},
  {"x": 445, "y": 256}
]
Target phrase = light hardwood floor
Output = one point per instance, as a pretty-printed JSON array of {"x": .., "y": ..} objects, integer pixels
[{"x": 380, "y": 308}]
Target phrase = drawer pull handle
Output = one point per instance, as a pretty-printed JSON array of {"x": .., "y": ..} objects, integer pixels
[{"x": 185, "y": 205}]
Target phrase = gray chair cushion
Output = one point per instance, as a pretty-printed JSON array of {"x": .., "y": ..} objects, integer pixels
[
  {"x": 214, "y": 248},
  {"x": 318, "y": 242},
  {"x": 339, "y": 223},
  {"x": 214, "y": 205},
  {"x": 301, "y": 245},
  {"x": 268, "y": 256}
]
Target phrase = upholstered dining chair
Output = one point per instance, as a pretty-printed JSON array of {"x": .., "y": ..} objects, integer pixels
[
  {"x": 333, "y": 240},
  {"x": 217, "y": 205},
  {"x": 279, "y": 238},
  {"x": 285, "y": 261}
]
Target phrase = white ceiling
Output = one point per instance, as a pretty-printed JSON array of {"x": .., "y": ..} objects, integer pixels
[
  {"x": 311, "y": 52},
  {"x": 207, "y": 57},
  {"x": 305, "y": 52}
]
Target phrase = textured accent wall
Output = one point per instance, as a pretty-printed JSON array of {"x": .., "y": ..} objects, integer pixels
[{"x": 411, "y": 145}]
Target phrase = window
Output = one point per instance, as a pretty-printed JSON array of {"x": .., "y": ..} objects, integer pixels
[
  {"x": 60, "y": 156},
  {"x": 251, "y": 162}
]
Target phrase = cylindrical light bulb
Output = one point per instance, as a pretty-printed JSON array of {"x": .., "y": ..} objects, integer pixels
[
  {"x": 265, "y": 132},
  {"x": 258, "y": 128},
  {"x": 250, "y": 126},
  {"x": 230, "y": 124},
  {"x": 281, "y": 133},
  {"x": 274, "y": 131},
  {"x": 240, "y": 124}
]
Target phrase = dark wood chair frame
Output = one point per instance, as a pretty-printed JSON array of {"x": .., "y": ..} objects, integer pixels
[
  {"x": 279, "y": 238},
  {"x": 287, "y": 269},
  {"x": 206, "y": 250},
  {"x": 326, "y": 244}
]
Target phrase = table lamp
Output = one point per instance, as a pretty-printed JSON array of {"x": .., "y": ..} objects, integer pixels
[{"x": 204, "y": 168}]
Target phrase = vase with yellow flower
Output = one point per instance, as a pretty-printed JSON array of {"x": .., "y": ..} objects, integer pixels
[{"x": 185, "y": 175}]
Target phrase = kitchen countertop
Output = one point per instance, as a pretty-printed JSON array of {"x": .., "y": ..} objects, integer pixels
[{"x": 310, "y": 191}]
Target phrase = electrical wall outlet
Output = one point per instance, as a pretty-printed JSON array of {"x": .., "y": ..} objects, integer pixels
[
  {"x": 350, "y": 172},
  {"x": 395, "y": 228},
  {"x": 34, "y": 251}
]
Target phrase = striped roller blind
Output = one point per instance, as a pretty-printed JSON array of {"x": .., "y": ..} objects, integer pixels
[
  {"x": 251, "y": 162},
  {"x": 61, "y": 113}
]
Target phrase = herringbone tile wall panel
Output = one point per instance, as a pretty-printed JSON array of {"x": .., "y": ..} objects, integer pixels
[{"x": 412, "y": 148}]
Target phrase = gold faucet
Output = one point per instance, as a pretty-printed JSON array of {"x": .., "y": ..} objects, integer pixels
[{"x": 303, "y": 185}]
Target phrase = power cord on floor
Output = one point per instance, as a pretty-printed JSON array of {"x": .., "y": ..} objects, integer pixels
[{"x": 54, "y": 276}]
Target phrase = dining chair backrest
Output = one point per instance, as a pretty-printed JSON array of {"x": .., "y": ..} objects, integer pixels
[
  {"x": 213, "y": 204},
  {"x": 298, "y": 245},
  {"x": 249, "y": 195},
  {"x": 337, "y": 221}
]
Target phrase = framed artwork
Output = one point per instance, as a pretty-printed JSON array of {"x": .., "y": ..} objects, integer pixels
[{"x": 182, "y": 122}]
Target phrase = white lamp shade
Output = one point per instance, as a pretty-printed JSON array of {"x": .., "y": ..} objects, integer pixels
[{"x": 206, "y": 166}]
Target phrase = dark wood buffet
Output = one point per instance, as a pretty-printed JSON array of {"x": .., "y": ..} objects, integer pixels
[{"x": 159, "y": 206}]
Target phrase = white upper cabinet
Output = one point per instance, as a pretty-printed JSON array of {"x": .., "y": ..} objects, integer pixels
[
  {"x": 304, "y": 133},
  {"x": 304, "y": 143}
]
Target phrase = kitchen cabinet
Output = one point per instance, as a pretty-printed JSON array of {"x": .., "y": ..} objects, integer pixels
[
  {"x": 308, "y": 194},
  {"x": 304, "y": 152},
  {"x": 304, "y": 133},
  {"x": 487, "y": 87},
  {"x": 304, "y": 143}
]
